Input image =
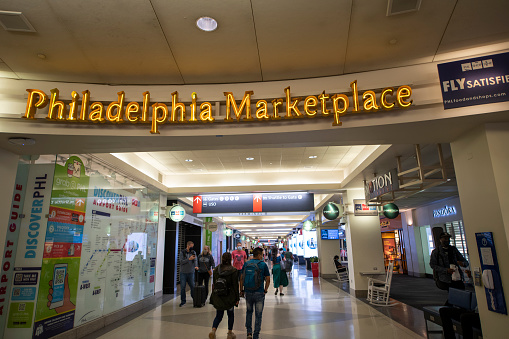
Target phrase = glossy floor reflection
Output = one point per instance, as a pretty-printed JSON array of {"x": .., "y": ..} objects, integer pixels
[{"x": 311, "y": 308}]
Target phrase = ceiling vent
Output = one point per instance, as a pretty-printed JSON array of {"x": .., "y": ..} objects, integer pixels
[
  {"x": 15, "y": 21},
  {"x": 402, "y": 6}
]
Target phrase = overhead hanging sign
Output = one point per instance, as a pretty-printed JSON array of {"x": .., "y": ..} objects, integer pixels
[
  {"x": 253, "y": 204},
  {"x": 177, "y": 213},
  {"x": 475, "y": 81},
  {"x": 361, "y": 208},
  {"x": 84, "y": 109}
]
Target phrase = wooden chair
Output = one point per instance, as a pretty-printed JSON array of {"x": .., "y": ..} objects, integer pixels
[
  {"x": 378, "y": 290},
  {"x": 342, "y": 277}
]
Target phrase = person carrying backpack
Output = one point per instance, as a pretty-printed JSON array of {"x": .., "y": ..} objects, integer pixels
[
  {"x": 254, "y": 273},
  {"x": 225, "y": 294}
]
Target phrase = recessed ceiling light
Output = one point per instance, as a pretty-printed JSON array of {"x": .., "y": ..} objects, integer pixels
[
  {"x": 21, "y": 141},
  {"x": 249, "y": 158},
  {"x": 313, "y": 157},
  {"x": 393, "y": 41},
  {"x": 206, "y": 24},
  {"x": 41, "y": 56},
  {"x": 189, "y": 160}
]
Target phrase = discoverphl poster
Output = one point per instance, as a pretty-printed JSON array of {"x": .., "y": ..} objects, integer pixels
[{"x": 56, "y": 302}]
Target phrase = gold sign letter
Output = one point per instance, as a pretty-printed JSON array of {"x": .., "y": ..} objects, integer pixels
[
  {"x": 59, "y": 105},
  {"x": 119, "y": 104},
  {"x": 31, "y": 105},
  {"x": 292, "y": 106},
  {"x": 404, "y": 92},
  {"x": 246, "y": 102},
  {"x": 156, "y": 119}
]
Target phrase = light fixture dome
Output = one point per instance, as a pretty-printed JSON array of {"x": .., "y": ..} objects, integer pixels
[{"x": 206, "y": 24}]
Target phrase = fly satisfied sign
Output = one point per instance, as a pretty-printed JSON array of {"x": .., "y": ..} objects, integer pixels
[{"x": 117, "y": 112}]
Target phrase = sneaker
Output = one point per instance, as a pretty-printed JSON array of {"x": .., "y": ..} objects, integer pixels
[
  {"x": 275, "y": 293},
  {"x": 249, "y": 336},
  {"x": 182, "y": 304},
  {"x": 281, "y": 294},
  {"x": 231, "y": 335},
  {"x": 212, "y": 335}
]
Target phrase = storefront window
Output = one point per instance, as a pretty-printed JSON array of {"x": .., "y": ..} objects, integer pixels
[
  {"x": 427, "y": 247},
  {"x": 458, "y": 239}
]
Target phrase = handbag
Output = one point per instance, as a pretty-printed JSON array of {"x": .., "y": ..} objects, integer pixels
[{"x": 283, "y": 265}]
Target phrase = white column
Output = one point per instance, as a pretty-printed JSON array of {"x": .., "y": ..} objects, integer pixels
[
  {"x": 481, "y": 162},
  {"x": 364, "y": 245},
  {"x": 327, "y": 249},
  {"x": 8, "y": 169},
  {"x": 161, "y": 229}
]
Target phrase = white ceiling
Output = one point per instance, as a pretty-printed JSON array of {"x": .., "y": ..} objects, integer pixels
[
  {"x": 157, "y": 42},
  {"x": 295, "y": 159}
]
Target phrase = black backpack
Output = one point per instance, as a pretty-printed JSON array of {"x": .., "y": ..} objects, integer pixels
[{"x": 221, "y": 288}]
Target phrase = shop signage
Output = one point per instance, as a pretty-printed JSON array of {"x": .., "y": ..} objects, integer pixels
[
  {"x": 475, "y": 81},
  {"x": 381, "y": 185},
  {"x": 391, "y": 211},
  {"x": 212, "y": 226},
  {"x": 308, "y": 225},
  {"x": 246, "y": 204},
  {"x": 80, "y": 110},
  {"x": 361, "y": 208},
  {"x": 228, "y": 232},
  {"x": 331, "y": 211},
  {"x": 177, "y": 213},
  {"x": 445, "y": 211}
]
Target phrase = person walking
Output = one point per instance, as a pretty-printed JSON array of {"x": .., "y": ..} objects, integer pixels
[
  {"x": 188, "y": 265},
  {"x": 239, "y": 257},
  {"x": 279, "y": 275},
  {"x": 225, "y": 294},
  {"x": 445, "y": 259},
  {"x": 254, "y": 273},
  {"x": 205, "y": 265}
]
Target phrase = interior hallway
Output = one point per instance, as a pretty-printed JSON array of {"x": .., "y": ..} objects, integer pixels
[{"x": 311, "y": 308}]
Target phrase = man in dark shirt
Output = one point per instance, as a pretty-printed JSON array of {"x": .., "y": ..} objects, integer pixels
[{"x": 441, "y": 259}]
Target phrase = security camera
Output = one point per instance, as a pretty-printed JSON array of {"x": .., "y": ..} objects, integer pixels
[{"x": 342, "y": 221}]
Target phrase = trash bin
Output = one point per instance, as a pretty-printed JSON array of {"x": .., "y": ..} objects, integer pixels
[{"x": 314, "y": 269}]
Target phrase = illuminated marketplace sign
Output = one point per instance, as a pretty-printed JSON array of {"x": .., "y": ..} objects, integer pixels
[
  {"x": 118, "y": 111},
  {"x": 443, "y": 212}
]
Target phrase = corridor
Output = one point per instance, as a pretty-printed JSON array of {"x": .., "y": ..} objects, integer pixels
[{"x": 311, "y": 308}]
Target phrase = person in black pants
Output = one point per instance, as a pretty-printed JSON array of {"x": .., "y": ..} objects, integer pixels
[
  {"x": 468, "y": 320},
  {"x": 205, "y": 265}
]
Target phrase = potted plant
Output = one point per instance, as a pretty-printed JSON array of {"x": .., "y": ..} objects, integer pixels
[{"x": 314, "y": 266}]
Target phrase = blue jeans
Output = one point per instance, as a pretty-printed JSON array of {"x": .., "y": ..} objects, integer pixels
[
  {"x": 219, "y": 317},
  {"x": 186, "y": 278},
  {"x": 254, "y": 300}
]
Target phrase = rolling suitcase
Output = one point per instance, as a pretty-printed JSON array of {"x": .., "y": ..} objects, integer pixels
[{"x": 199, "y": 293}]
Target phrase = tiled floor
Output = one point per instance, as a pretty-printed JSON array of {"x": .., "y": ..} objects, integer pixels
[{"x": 311, "y": 308}]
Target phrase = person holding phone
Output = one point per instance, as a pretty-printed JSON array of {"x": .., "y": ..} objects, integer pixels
[
  {"x": 188, "y": 265},
  {"x": 206, "y": 263}
]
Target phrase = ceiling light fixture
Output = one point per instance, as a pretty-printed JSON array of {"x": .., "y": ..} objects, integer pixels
[
  {"x": 206, "y": 24},
  {"x": 249, "y": 158},
  {"x": 312, "y": 157},
  {"x": 189, "y": 160},
  {"x": 21, "y": 141}
]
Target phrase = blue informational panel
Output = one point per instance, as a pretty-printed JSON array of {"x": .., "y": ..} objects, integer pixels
[
  {"x": 491, "y": 273},
  {"x": 476, "y": 81},
  {"x": 330, "y": 234}
]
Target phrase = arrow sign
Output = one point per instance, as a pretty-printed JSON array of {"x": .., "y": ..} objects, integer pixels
[
  {"x": 257, "y": 203},
  {"x": 197, "y": 204}
]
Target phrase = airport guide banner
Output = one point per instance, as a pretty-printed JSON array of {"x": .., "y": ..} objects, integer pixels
[
  {"x": 76, "y": 249},
  {"x": 476, "y": 81}
]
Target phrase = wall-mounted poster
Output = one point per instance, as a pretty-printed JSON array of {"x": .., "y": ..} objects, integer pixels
[
  {"x": 310, "y": 244},
  {"x": 300, "y": 244}
]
